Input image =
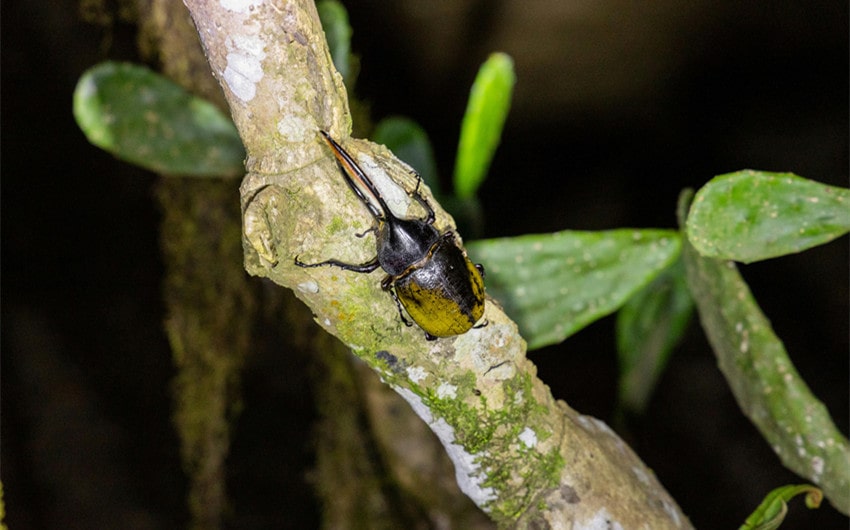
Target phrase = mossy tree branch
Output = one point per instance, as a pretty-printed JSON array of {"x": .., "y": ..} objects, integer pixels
[{"x": 522, "y": 456}]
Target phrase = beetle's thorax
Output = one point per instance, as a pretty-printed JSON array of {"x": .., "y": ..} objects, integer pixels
[{"x": 403, "y": 242}]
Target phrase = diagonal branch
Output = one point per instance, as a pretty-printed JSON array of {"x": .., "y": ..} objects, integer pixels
[{"x": 522, "y": 456}]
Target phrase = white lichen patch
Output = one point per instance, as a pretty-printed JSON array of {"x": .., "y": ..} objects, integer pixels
[
  {"x": 672, "y": 511},
  {"x": 310, "y": 287},
  {"x": 640, "y": 474},
  {"x": 467, "y": 471},
  {"x": 293, "y": 127},
  {"x": 496, "y": 368},
  {"x": 585, "y": 422},
  {"x": 244, "y": 68},
  {"x": 240, "y": 6},
  {"x": 447, "y": 391},
  {"x": 591, "y": 424},
  {"x": 528, "y": 437},
  {"x": 416, "y": 374}
]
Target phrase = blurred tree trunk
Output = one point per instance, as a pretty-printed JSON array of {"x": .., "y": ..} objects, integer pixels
[{"x": 210, "y": 302}]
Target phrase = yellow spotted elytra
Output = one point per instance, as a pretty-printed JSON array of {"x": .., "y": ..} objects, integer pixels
[{"x": 428, "y": 273}]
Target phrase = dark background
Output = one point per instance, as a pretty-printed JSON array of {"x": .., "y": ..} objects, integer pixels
[{"x": 617, "y": 108}]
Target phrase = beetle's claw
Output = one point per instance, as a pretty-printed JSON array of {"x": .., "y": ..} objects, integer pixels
[{"x": 373, "y": 229}]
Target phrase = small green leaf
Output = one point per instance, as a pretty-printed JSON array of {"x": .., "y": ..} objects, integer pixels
[
  {"x": 754, "y": 215},
  {"x": 649, "y": 326},
  {"x": 772, "y": 510},
  {"x": 408, "y": 141},
  {"x": 765, "y": 383},
  {"x": 489, "y": 102},
  {"x": 555, "y": 284},
  {"x": 334, "y": 20},
  {"x": 141, "y": 117}
]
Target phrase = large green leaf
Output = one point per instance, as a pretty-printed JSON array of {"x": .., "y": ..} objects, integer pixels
[
  {"x": 143, "y": 118},
  {"x": 481, "y": 129},
  {"x": 555, "y": 284},
  {"x": 764, "y": 381},
  {"x": 649, "y": 326},
  {"x": 753, "y": 215}
]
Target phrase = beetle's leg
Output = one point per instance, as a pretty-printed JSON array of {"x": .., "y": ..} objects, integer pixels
[
  {"x": 421, "y": 200},
  {"x": 480, "y": 268},
  {"x": 369, "y": 266},
  {"x": 387, "y": 285},
  {"x": 418, "y": 182},
  {"x": 363, "y": 233},
  {"x": 481, "y": 325}
]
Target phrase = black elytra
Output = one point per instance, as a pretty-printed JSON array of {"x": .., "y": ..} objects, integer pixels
[{"x": 428, "y": 273}]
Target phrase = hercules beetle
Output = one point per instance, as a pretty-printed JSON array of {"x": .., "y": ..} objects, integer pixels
[{"x": 428, "y": 273}]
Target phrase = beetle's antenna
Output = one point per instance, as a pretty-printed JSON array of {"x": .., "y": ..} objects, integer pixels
[{"x": 351, "y": 170}]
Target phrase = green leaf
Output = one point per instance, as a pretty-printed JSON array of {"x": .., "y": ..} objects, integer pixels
[
  {"x": 555, "y": 284},
  {"x": 765, "y": 383},
  {"x": 772, "y": 510},
  {"x": 753, "y": 215},
  {"x": 649, "y": 326},
  {"x": 334, "y": 20},
  {"x": 489, "y": 102},
  {"x": 143, "y": 118},
  {"x": 409, "y": 142}
]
